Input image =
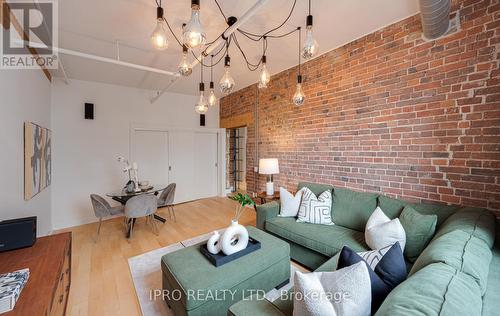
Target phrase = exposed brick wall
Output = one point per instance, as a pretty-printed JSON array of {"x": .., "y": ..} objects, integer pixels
[{"x": 390, "y": 113}]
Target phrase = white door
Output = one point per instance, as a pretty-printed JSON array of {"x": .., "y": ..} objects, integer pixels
[
  {"x": 205, "y": 164},
  {"x": 150, "y": 151},
  {"x": 182, "y": 172}
]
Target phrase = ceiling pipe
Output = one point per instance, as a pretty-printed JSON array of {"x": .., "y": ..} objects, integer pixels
[
  {"x": 242, "y": 20},
  {"x": 435, "y": 16}
]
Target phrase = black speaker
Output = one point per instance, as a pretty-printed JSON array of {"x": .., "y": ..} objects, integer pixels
[
  {"x": 89, "y": 111},
  {"x": 17, "y": 233},
  {"x": 202, "y": 119}
]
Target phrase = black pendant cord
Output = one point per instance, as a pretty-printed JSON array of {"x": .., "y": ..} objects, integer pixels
[
  {"x": 212, "y": 69},
  {"x": 232, "y": 38},
  {"x": 300, "y": 47},
  {"x": 273, "y": 29},
  {"x": 309, "y": 7}
]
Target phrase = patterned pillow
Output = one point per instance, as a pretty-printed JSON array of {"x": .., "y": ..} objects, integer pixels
[{"x": 316, "y": 210}]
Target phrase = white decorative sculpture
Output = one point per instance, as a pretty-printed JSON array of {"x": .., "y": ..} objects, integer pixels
[
  {"x": 235, "y": 237},
  {"x": 232, "y": 240},
  {"x": 213, "y": 244}
]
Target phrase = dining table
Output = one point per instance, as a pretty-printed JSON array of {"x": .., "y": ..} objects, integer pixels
[{"x": 122, "y": 196}]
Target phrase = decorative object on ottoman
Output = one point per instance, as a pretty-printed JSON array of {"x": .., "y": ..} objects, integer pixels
[
  {"x": 269, "y": 167},
  {"x": 381, "y": 231},
  {"x": 235, "y": 237},
  {"x": 343, "y": 292},
  {"x": 389, "y": 272},
  {"x": 219, "y": 259},
  {"x": 213, "y": 245},
  {"x": 316, "y": 210}
]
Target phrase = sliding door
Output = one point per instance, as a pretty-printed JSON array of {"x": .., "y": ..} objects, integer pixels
[
  {"x": 150, "y": 151},
  {"x": 182, "y": 165},
  {"x": 205, "y": 164},
  {"x": 188, "y": 158}
]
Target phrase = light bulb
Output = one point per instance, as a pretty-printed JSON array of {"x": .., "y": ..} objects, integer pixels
[
  {"x": 226, "y": 83},
  {"x": 159, "y": 36},
  {"x": 264, "y": 76},
  {"x": 299, "y": 97},
  {"x": 212, "y": 99},
  {"x": 193, "y": 34},
  {"x": 201, "y": 107},
  {"x": 184, "y": 65},
  {"x": 310, "y": 45}
]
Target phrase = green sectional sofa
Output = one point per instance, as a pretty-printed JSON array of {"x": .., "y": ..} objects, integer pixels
[{"x": 458, "y": 273}]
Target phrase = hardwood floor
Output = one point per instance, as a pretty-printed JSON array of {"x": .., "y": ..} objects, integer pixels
[{"x": 101, "y": 283}]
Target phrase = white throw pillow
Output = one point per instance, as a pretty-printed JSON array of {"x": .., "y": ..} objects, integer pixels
[
  {"x": 344, "y": 292},
  {"x": 373, "y": 257},
  {"x": 381, "y": 231},
  {"x": 316, "y": 210},
  {"x": 289, "y": 203}
]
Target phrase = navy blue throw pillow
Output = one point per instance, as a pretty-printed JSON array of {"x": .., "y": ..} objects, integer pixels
[{"x": 388, "y": 273}]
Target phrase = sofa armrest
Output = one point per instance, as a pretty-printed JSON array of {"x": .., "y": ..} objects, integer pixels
[{"x": 266, "y": 212}]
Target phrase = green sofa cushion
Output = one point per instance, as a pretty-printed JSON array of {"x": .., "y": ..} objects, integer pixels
[
  {"x": 476, "y": 221},
  {"x": 327, "y": 240},
  {"x": 461, "y": 251},
  {"x": 391, "y": 207},
  {"x": 437, "y": 289},
  {"x": 491, "y": 303},
  {"x": 441, "y": 211},
  {"x": 419, "y": 231},
  {"x": 352, "y": 209},
  {"x": 317, "y": 189}
]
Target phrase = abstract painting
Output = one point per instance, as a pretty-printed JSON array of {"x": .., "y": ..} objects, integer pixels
[{"x": 37, "y": 159}]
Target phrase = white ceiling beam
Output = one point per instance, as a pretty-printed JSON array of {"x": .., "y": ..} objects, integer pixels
[
  {"x": 242, "y": 20},
  {"x": 115, "y": 61}
]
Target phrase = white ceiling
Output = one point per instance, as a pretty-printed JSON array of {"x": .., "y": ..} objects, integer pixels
[{"x": 94, "y": 26}]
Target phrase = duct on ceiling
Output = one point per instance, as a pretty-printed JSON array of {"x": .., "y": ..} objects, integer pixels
[{"x": 435, "y": 15}]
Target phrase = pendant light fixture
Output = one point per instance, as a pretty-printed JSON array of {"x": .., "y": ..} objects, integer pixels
[
  {"x": 201, "y": 107},
  {"x": 226, "y": 83},
  {"x": 299, "y": 96},
  {"x": 264, "y": 76},
  {"x": 159, "y": 36},
  {"x": 310, "y": 45},
  {"x": 184, "y": 65},
  {"x": 212, "y": 99},
  {"x": 193, "y": 34}
]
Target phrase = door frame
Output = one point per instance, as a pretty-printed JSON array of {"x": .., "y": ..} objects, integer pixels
[{"x": 221, "y": 145}]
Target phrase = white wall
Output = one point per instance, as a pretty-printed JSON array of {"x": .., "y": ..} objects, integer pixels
[
  {"x": 25, "y": 96},
  {"x": 85, "y": 151}
]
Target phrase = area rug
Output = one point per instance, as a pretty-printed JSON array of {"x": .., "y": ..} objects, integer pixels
[{"x": 146, "y": 275}]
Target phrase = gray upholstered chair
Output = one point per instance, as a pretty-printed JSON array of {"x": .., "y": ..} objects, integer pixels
[
  {"x": 166, "y": 199},
  {"x": 143, "y": 205},
  {"x": 102, "y": 209}
]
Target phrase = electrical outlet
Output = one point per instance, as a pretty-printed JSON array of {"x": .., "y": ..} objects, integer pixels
[{"x": 255, "y": 169}]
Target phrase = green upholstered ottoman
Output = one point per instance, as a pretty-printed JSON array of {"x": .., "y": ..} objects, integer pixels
[{"x": 193, "y": 286}]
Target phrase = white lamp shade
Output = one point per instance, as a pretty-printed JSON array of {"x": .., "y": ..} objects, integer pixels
[{"x": 269, "y": 166}]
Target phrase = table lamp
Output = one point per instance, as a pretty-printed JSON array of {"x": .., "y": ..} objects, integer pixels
[{"x": 269, "y": 166}]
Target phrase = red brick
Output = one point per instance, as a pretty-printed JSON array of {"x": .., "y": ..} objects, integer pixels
[{"x": 389, "y": 113}]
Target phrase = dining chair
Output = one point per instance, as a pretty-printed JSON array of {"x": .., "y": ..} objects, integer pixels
[
  {"x": 166, "y": 199},
  {"x": 103, "y": 209},
  {"x": 144, "y": 205}
]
